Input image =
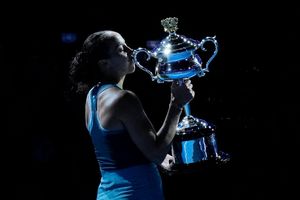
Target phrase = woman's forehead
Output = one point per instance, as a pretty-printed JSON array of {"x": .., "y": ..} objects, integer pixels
[
  {"x": 116, "y": 40},
  {"x": 119, "y": 39}
]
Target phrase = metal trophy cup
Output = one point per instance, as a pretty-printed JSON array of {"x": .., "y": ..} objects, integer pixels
[{"x": 195, "y": 141}]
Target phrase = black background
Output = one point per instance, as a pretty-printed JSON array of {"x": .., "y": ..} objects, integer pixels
[{"x": 249, "y": 94}]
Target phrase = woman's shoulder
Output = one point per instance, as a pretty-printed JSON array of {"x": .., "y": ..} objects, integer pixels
[
  {"x": 127, "y": 96},
  {"x": 127, "y": 99}
]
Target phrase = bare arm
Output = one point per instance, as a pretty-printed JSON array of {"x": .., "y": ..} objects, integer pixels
[{"x": 154, "y": 145}]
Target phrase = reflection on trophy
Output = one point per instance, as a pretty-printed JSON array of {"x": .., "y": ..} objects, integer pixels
[{"x": 195, "y": 141}]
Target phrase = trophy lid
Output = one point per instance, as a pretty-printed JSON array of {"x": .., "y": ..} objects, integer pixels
[{"x": 174, "y": 47}]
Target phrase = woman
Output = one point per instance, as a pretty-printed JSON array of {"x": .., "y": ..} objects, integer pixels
[{"x": 127, "y": 146}]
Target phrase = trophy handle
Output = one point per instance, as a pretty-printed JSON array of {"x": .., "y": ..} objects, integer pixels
[
  {"x": 209, "y": 39},
  {"x": 149, "y": 55}
]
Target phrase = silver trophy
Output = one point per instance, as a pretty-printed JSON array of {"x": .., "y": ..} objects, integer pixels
[{"x": 176, "y": 57}]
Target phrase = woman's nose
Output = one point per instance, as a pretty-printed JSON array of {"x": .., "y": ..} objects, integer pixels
[{"x": 130, "y": 50}]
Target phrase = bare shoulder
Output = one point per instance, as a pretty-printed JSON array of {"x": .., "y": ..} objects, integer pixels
[
  {"x": 128, "y": 99},
  {"x": 127, "y": 104}
]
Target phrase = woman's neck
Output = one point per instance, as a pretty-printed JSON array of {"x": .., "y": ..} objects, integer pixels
[{"x": 119, "y": 82}]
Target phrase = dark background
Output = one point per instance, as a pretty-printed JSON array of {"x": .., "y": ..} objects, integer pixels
[{"x": 249, "y": 94}]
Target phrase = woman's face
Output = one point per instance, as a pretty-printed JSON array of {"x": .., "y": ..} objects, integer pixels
[{"x": 120, "y": 56}]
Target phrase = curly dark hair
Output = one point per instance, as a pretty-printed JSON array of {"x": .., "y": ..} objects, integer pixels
[{"x": 84, "y": 71}]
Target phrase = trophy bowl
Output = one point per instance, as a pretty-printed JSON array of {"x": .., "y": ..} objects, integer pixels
[{"x": 176, "y": 55}]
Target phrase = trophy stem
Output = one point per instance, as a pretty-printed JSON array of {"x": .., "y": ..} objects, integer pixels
[{"x": 187, "y": 109}]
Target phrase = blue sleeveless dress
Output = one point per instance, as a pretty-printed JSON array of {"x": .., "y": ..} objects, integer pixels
[{"x": 126, "y": 172}]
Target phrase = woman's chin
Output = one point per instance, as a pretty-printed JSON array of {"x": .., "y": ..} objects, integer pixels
[{"x": 132, "y": 70}]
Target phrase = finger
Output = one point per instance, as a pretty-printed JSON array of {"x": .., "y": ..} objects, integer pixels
[
  {"x": 187, "y": 80},
  {"x": 176, "y": 83},
  {"x": 190, "y": 86},
  {"x": 193, "y": 93},
  {"x": 173, "y": 159}
]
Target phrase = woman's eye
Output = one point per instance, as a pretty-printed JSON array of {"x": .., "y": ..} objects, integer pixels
[
  {"x": 124, "y": 51},
  {"x": 121, "y": 50}
]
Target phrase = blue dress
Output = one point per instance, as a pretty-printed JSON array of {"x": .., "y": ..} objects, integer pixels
[{"x": 126, "y": 172}]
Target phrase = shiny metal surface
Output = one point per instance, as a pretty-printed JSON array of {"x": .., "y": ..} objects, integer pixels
[
  {"x": 194, "y": 141},
  {"x": 177, "y": 59},
  {"x": 176, "y": 55}
]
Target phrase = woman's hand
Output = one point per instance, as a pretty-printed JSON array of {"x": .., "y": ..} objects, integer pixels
[
  {"x": 168, "y": 162},
  {"x": 181, "y": 92}
]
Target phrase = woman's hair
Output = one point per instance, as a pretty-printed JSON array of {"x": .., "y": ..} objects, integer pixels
[{"x": 84, "y": 71}]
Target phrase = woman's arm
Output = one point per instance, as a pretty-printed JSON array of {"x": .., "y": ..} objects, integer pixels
[{"x": 154, "y": 145}]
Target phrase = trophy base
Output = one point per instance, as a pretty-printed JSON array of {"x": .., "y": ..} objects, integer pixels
[
  {"x": 194, "y": 146},
  {"x": 193, "y": 168}
]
